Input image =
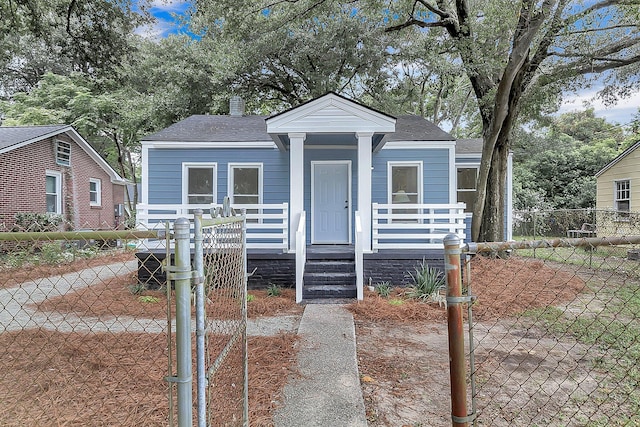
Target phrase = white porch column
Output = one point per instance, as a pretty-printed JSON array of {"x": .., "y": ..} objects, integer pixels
[
  {"x": 296, "y": 184},
  {"x": 364, "y": 186}
]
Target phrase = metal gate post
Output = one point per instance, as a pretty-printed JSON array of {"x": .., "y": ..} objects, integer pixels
[
  {"x": 182, "y": 276},
  {"x": 455, "y": 300},
  {"x": 198, "y": 264}
]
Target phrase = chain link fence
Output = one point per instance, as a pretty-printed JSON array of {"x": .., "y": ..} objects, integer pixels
[
  {"x": 553, "y": 333},
  {"x": 574, "y": 223},
  {"x": 85, "y": 319}
]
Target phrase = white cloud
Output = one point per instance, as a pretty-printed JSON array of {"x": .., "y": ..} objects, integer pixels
[
  {"x": 622, "y": 112},
  {"x": 155, "y": 31},
  {"x": 169, "y": 5}
]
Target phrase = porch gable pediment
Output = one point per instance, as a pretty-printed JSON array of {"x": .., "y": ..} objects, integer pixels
[{"x": 330, "y": 113}]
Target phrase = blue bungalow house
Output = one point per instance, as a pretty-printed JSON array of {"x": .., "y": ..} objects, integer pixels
[{"x": 337, "y": 194}]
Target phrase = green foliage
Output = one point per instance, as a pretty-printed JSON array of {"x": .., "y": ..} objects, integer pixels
[
  {"x": 555, "y": 165},
  {"x": 250, "y": 297},
  {"x": 148, "y": 299},
  {"x": 36, "y": 222},
  {"x": 428, "y": 282},
  {"x": 53, "y": 253},
  {"x": 137, "y": 288},
  {"x": 273, "y": 290},
  {"x": 396, "y": 301},
  {"x": 383, "y": 289}
]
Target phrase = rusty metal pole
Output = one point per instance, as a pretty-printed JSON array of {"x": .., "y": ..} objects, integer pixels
[{"x": 452, "y": 253}]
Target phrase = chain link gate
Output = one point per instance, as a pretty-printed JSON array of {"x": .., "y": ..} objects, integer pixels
[
  {"x": 557, "y": 339},
  {"x": 85, "y": 338},
  {"x": 217, "y": 283}
]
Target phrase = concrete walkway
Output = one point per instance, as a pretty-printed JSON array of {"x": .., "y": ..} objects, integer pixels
[{"x": 327, "y": 393}]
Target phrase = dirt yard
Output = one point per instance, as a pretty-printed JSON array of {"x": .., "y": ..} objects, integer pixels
[{"x": 401, "y": 343}]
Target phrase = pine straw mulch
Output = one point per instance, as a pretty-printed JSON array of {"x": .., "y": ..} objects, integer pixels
[
  {"x": 503, "y": 287},
  {"x": 52, "y": 378},
  {"x": 114, "y": 297},
  {"x": 400, "y": 345},
  {"x": 16, "y": 275}
]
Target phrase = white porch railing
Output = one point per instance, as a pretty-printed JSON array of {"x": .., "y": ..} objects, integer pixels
[
  {"x": 267, "y": 224},
  {"x": 415, "y": 226},
  {"x": 359, "y": 258},
  {"x": 301, "y": 255}
]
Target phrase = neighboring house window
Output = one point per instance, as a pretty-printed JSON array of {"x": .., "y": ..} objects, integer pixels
[
  {"x": 199, "y": 183},
  {"x": 405, "y": 185},
  {"x": 53, "y": 191},
  {"x": 245, "y": 184},
  {"x": 622, "y": 197},
  {"x": 95, "y": 192},
  {"x": 63, "y": 153},
  {"x": 466, "y": 178}
]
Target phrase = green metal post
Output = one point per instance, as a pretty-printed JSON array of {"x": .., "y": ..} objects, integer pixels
[{"x": 182, "y": 277}]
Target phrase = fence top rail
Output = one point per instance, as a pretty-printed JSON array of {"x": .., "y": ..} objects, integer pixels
[
  {"x": 551, "y": 243},
  {"x": 81, "y": 235}
]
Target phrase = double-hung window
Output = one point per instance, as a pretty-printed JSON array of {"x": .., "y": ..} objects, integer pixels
[
  {"x": 405, "y": 185},
  {"x": 245, "y": 184},
  {"x": 95, "y": 192},
  {"x": 198, "y": 183},
  {"x": 466, "y": 179},
  {"x": 53, "y": 192},
  {"x": 623, "y": 197}
]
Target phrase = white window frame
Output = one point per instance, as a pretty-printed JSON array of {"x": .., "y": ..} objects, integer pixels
[
  {"x": 62, "y": 152},
  {"x": 391, "y": 165},
  {"x": 98, "y": 191},
  {"x": 622, "y": 215},
  {"x": 185, "y": 179},
  {"x": 58, "y": 193},
  {"x": 419, "y": 177},
  {"x": 230, "y": 182},
  {"x": 475, "y": 166}
]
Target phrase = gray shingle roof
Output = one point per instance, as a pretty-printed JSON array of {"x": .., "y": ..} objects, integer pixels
[
  {"x": 205, "y": 128},
  {"x": 469, "y": 146},
  {"x": 14, "y": 135}
]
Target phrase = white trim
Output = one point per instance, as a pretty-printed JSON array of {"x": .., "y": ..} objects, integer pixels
[
  {"x": 365, "y": 164},
  {"x": 185, "y": 179},
  {"x": 58, "y": 176},
  {"x": 98, "y": 183},
  {"x": 466, "y": 166},
  {"x": 621, "y": 156},
  {"x": 249, "y": 165},
  {"x": 62, "y": 152},
  {"x": 296, "y": 184},
  {"x": 364, "y": 118},
  {"x": 209, "y": 144},
  {"x": 405, "y": 163},
  {"x": 36, "y": 139},
  {"x": 349, "y": 198},
  {"x": 399, "y": 145},
  {"x": 615, "y": 193}
]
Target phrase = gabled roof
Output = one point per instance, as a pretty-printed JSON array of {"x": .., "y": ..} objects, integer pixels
[
  {"x": 621, "y": 156},
  {"x": 13, "y": 137}
]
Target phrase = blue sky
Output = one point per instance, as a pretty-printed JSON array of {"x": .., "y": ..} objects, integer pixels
[{"x": 622, "y": 112}]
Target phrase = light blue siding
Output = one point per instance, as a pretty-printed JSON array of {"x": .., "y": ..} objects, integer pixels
[
  {"x": 435, "y": 173},
  {"x": 165, "y": 171}
]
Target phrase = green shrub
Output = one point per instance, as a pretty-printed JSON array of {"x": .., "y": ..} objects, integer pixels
[
  {"x": 428, "y": 282},
  {"x": 383, "y": 289},
  {"x": 273, "y": 290},
  {"x": 38, "y": 222}
]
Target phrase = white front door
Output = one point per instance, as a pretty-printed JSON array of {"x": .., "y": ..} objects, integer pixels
[{"x": 331, "y": 202}]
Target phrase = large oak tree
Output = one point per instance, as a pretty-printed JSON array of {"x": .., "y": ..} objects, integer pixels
[{"x": 512, "y": 51}]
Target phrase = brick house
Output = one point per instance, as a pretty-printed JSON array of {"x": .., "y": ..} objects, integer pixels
[{"x": 52, "y": 169}]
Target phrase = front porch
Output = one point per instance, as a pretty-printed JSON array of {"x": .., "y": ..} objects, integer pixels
[{"x": 401, "y": 239}]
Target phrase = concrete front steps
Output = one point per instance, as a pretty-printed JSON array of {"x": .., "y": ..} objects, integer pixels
[{"x": 327, "y": 278}]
